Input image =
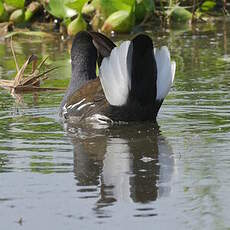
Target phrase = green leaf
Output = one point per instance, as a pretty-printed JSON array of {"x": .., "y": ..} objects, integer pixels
[
  {"x": 149, "y": 5},
  {"x": 3, "y": 14},
  {"x": 120, "y": 21},
  {"x": 76, "y": 25},
  {"x": 88, "y": 9},
  {"x": 17, "y": 16},
  {"x": 59, "y": 9},
  {"x": 128, "y": 2},
  {"x": 179, "y": 14},
  {"x": 208, "y": 6},
  {"x": 15, "y": 3},
  {"x": 142, "y": 8},
  {"x": 76, "y": 4},
  {"x": 106, "y": 8},
  {"x": 32, "y": 8},
  {"x": 1, "y": 8}
]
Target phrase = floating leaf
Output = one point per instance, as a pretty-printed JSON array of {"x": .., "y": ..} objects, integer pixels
[
  {"x": 88, "y": 9},
  {"x": 1, "y": 8},
  {"x": 32, "y": 8},
  {"x": 179, "y": 14},
  {"x": 59, "y": 9},
  {"x": 129, "y": 2},
  {"x": 17, "y": 16},
  {"x": 3, "y": 13},
  {"x": 76, "y": 4},
  {"x": 76, "y": 25},
  {"x": 148, "y": 4},
  {"x": 15, "y": 3},
  {"x": 208, "y": 6},
  {"x": 120, "y": 21},
  {"x": 106, "y": 8},
  {"x": 142, "y": 8}
]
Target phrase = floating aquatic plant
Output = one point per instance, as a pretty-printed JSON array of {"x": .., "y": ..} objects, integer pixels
[
  {"x": 78, "y": 24},
  {"x": 28, "y": 82},
  {"x": 59, "y": 9},
  {"x": 107, "y": 15}
]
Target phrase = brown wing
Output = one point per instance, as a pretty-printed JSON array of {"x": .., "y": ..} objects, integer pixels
[{"x": 87, "y": 100}]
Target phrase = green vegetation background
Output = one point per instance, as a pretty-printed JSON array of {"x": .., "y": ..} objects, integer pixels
[{"x": 72, "y": 16}]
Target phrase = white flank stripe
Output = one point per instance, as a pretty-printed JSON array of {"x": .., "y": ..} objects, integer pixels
[
  {"x": 114, "y": 77},
  {"x": 84, "y": 105},
  {"x": 78, "y": 103}
]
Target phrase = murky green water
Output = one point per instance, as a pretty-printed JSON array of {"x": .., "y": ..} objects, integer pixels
[{"x": 126, "y": 177}]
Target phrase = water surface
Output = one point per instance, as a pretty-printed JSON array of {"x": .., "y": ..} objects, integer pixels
[{"x": 134, "y": 176}]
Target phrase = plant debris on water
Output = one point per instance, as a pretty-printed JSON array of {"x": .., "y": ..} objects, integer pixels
[{"x": 28, "y": 82}]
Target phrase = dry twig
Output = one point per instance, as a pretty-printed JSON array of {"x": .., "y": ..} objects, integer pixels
[{"x": 30, "y": 82}]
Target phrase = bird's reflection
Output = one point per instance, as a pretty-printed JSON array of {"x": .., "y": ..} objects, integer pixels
[{"x": 128, "y": 163}]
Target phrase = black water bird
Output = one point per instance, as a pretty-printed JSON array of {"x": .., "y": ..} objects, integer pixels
[{"x": 134, "y": 78}]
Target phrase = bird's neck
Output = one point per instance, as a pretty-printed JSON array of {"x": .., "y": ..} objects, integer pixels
[{"x": 83, "y": 69}]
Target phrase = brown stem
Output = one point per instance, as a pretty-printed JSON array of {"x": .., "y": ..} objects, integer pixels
[
  {"x": 193, "y": 10},
  {"x": 12, "y": 50}
]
